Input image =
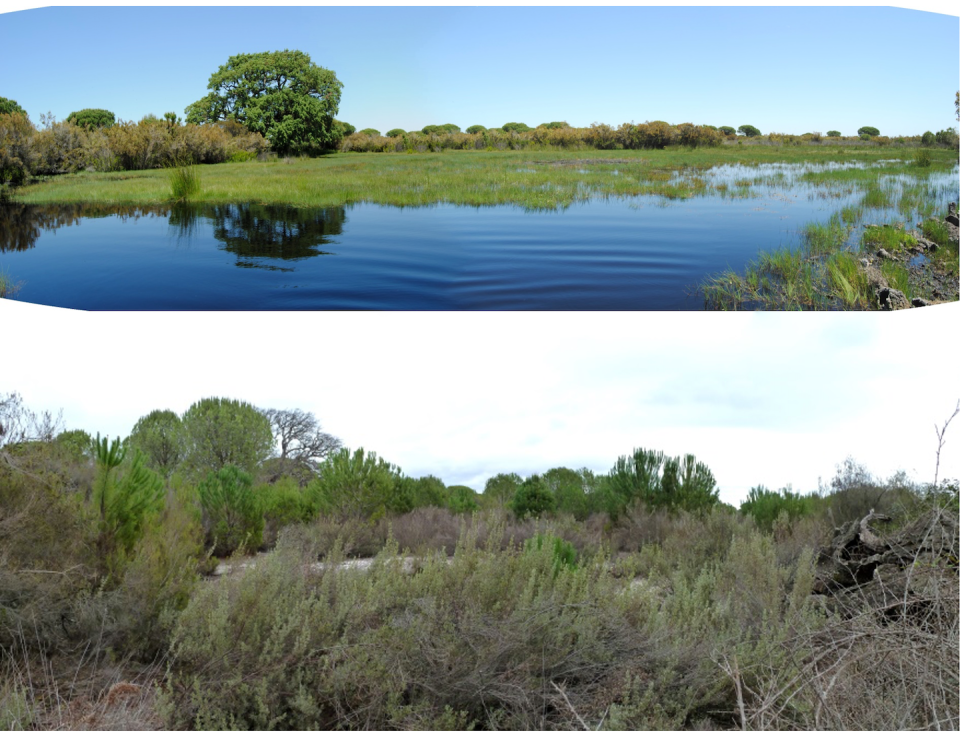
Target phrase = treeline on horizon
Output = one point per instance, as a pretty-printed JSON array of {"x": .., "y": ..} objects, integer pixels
[
  {"x": 675, "y": 611},
  {"x": 248, "y": 472},
  {"x": 92, "y": 139}
]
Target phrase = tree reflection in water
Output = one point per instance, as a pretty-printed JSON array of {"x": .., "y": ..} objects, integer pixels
[{"x": 257, "y": 234}]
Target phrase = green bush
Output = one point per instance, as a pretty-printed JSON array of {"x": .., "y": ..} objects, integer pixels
[
  {"x": 241, "y": 156},
  {"x": 766, "y": 506},
  {"x": 476, "y": 129},
  {"x": 749, "y": 131},
  {"x": 396, "y": 132},
  {"x": 533, "y": 499},
  {"x": 357, "y": 485},
  {"x": 17, "y": 156},
  {"x": 515, "y": 127},
  {"x": 657, "y": 481},
  {"x": 462, "y": 500},
  {"x": 553, "y": 125},
  {"x": 564, "y": 554},
  {"x": 232, "y": 511},
  {"x": 369, "y": 131},
  {"x": 124, "y": 502},
  {"x": 728, "y": 131},
  {"x": 92, "y": 118},
  {"x": 868, "y": 131},
  {"x": 947, "y": 137},
  {"x": 928, "y": 138},
  {"x": 833, "y": 133},
  {"x": 345, "y": 127}
]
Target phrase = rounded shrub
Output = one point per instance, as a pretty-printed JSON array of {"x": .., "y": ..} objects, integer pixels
[
  {"x": 868, "y": 131},
  {"x": 928, "y": 138},
  {"x": 833, "y": 133},
  {"x": 475, "y": 129},
  {"x": 727, "y": 130},
  {"x": 92, "y": 119},
  {"x": 515, "y": 127},
  {"x": 749, "y": 131},
  {"x": 347, "y": 128},
  {"x": 369, "y": 131},
  {"x": 396, "y": 132}
]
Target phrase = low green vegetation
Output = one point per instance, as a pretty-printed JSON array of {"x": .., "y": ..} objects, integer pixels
[{"x": 676, "y": 612}]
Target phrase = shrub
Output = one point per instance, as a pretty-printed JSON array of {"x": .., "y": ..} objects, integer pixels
[
  {"x": 369, "y": 131},
  {"x": 657, "y": 481},
  {"x": 345, "y": 127},
  {"x": 61, "y": 147},
  {"x": 749, "y": 131},
  {"x": 833, "y": 133},
  {"x": 396, "y": 132},
  {"x": 357, "y": 485},
  {"x": 16, "y": 153},
  {"x": 461, "y": 499},
  {"x": 533, "y": 499},
  {"x": 947, "y": 137},
  {"x": 476, "y": 129},
  {"x": 728, "y": 131},
  {"x": 868, "y": 131},
  {"x": 92, "y": 118},
  {"x": 928, "y": 138},
  {"x": 232, "y": 511},
  {"x": 564, "y": 554},
  {"x": 515, "y": 127},
  {"x": 123, "y": 504},
  {"x": 553, "y": 125},
  {"x": 767, "y": 506},
  {"x": 921, "y": 159}
]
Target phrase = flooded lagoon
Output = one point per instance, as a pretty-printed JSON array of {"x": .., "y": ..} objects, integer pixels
[{"x": 631, "y": 253}]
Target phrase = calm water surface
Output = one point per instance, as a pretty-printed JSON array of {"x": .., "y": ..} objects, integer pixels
[{"x": 637, "y": 254}]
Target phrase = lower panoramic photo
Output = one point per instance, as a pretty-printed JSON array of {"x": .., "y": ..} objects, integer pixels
[{"x": 506, "y": 528}]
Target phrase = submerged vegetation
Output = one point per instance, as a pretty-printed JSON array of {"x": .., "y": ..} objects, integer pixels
[{"x": 568, "y": 600}]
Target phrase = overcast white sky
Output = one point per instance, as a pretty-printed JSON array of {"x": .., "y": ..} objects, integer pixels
[{"x": 771, "y": 398}]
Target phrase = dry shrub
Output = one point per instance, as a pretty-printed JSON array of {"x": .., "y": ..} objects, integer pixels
[
  {"x": 60, "y": 148},
  {"x": 427, "y": 529}
]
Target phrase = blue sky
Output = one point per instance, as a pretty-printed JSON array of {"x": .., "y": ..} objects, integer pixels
[{"x": 781, "y": 69}]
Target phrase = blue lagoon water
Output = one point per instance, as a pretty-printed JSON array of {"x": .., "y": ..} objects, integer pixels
[{"x": 642, "y": 253}]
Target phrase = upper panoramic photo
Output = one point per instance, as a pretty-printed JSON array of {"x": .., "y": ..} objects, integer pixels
[{"x": 479, "y": 158}]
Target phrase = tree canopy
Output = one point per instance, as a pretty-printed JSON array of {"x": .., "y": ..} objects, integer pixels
[
  {"x": 749, "y": 131},
  {"x": 94, "y": 118},
  {"x": 10, "y": 107},
  {"x": 282, "y": 95},
  {"x": 219, "y": 432}
]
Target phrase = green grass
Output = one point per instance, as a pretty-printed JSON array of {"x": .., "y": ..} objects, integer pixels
[
  {"x": 897, "y": 277},
  {"x": 184, "y": 182},
  {"x": 532, "y": 179},
  {"x": 8, "y": 288},
  {"x": 888, "y": 237}
]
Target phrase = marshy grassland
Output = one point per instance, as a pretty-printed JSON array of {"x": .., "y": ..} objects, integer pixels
[{"x": 531, "y": 179}]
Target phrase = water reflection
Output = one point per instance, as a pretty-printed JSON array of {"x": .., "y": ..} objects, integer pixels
[
  {"x": 22, "y": 224},
  {"x": 254, "y": 233}
]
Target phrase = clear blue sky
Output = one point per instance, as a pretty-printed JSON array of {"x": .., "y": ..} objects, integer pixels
[{"x": 780, "y": 69}]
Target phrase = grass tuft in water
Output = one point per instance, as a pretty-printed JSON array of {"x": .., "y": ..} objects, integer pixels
[{"x": 8, "y": 288}]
